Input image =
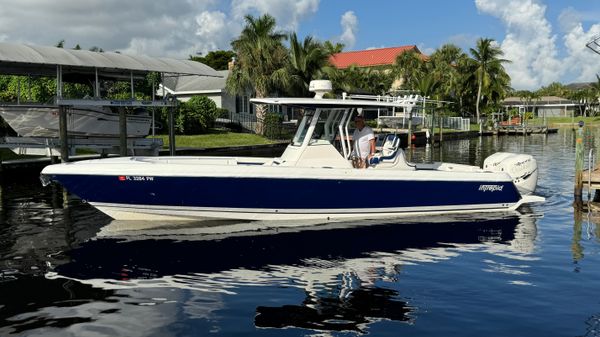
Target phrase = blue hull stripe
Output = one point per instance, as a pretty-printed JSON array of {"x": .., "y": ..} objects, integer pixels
[{"x": 281, "y": 193}]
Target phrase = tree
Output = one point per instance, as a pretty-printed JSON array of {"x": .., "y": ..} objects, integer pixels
[
  {"x": 261, "y": 63},
  {"x": 218, "y": 59},
  {"x": 408, "y": 68},
  {"x": 359, "y": 80},
  {"x": 331, "y": 48},
  {"x": 307, "y": 59},
  {"x": 488, "y": 66},
  {"x": 595, "y": 93},
  {"x": 445, "y": 62},
  {"x": 554, "y": 89}
]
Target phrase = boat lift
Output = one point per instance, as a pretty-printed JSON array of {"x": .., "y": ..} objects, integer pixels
[{"x": 17, "y": 59}]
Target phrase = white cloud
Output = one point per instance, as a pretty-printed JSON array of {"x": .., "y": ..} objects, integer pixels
[
  {"x": 156, "y": 28},
  {"x": 529, "y": 43},
  {"x": 349, "y": 24},
  {"x": 569, "y": 18},
  {"x": 532, "y": 47},
  {"x": 288, "y": 13},
  {"x": 214, "y": 31},
  {"x": 582, "y": 62}
]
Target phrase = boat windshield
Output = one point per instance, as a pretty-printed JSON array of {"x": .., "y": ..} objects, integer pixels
[
  {"x": 303, "y": 127},
  {"x": 325, "y": 128}
]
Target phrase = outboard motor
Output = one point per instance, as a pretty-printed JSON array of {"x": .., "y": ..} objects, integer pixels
[{"x": 521, "y": 167}]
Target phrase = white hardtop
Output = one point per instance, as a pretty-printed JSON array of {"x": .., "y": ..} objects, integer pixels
[{"x": 304, "y": 102}]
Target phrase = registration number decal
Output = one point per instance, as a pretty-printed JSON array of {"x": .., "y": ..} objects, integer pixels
[{"x": 136, "y": 178}]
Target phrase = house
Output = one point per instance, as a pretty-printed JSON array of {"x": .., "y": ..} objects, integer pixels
[
  {"x": 380, "y": 58},
  {"x": 371, "y": 58},
  {"x": 185, "y": 87},
  {"x": 545, "y": 106},
  {"x": 239, "y": 109}
]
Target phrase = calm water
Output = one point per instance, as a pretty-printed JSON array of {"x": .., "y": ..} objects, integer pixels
[{"x": 64, "y": 272}]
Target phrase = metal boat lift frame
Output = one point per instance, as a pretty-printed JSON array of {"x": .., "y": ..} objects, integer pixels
[{"x": 64, "y": 104}]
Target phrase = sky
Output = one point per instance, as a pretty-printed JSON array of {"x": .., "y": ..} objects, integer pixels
[{"x": 544, "y": 39}]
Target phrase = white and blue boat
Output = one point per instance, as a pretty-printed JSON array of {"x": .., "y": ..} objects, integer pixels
[{"x": 312, "y": 180}]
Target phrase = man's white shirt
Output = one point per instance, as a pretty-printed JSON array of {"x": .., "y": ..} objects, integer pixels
[{"x": 361, "y": 139}]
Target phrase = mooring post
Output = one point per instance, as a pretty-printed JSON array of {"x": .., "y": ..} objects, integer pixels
[
  {"x": 122, "y": 132},
  {"x": 62, "y": 125},
  {"x": 172, "y": 130},
  {"x": 409, "y": 135},
  {"x": 579, "y": 166},
  {"x": 441, "y": 132}
]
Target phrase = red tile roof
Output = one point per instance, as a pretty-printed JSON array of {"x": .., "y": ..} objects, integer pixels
[{"x": 370, "y": 57}]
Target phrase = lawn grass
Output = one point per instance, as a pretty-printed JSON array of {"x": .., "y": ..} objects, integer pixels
[{"x": 216, "y": 139}]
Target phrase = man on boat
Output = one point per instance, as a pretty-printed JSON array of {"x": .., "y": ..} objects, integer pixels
[{"x": 363, "y": 141}]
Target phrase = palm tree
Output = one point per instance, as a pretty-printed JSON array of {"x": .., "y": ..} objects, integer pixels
[
  {"x": 261, "y": 62},
  {"x": 331, "y": 48},
  {"x": 307, "y": 61},
  {"x": 488, "y": 65},
  {"x": 554, "y": 89},
  {"x": 445, "y": 62},
  {"x": 596, "y": 85},
  {"x": 408, "y": 67},
  {"x": 595, "y": 93}
]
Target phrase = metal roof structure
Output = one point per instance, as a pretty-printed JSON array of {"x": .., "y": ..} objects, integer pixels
[
  {"x": 182, "y": 85},
  {"x": 20, "y": 59},
  {"x": 594, "y": 44}
]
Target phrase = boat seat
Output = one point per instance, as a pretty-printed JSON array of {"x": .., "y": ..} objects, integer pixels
[
  {"x": 391, "y": 143},
  {"x": 391, "y": 155}
]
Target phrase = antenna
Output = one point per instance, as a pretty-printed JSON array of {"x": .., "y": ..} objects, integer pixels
[{"x": 594, "y": 45}]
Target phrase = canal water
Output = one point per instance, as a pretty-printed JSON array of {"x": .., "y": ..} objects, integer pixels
[{"x": 67, "y": 270}]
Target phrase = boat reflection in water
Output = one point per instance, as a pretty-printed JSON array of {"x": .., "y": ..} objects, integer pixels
[{"x": 341, "y": 268}]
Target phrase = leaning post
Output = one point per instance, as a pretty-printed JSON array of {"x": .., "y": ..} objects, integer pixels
[{"x": 579, "y": 165}]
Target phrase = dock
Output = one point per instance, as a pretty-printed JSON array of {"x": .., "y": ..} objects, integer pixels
[
  {"x": 525, "y": 130},
  {"x": 591, "y": 179}
]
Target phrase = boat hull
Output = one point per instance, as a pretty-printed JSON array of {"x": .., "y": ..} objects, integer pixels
[
  {"x": 144, "y": 197},
  {"x": 43, "y": 121}
]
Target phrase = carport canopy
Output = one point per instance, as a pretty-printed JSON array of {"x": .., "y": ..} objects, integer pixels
[{"x": 21, "y": 59}]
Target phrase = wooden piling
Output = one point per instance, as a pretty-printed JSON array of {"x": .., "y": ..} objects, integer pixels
[
  {"x": 172, "y": 130},
  {"x": 62, "y": 126},
  {"x": 122, "y": 132},
  {"x": 579, "y": 158},
  {"x": 409, "y": 136},
  {"x": 441, "y": 132}
]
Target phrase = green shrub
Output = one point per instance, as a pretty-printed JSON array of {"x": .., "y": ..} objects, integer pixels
[
  {"x": 222, "y": 113},
  {"x": 272, "y": 125},
  {"x": 196, "y": 115}
]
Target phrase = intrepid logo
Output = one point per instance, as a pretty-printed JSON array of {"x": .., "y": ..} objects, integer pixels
[{"x": 491, "y": 188}]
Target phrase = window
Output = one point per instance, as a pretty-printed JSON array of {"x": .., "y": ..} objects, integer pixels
[{"x": 242, "y": 104}]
